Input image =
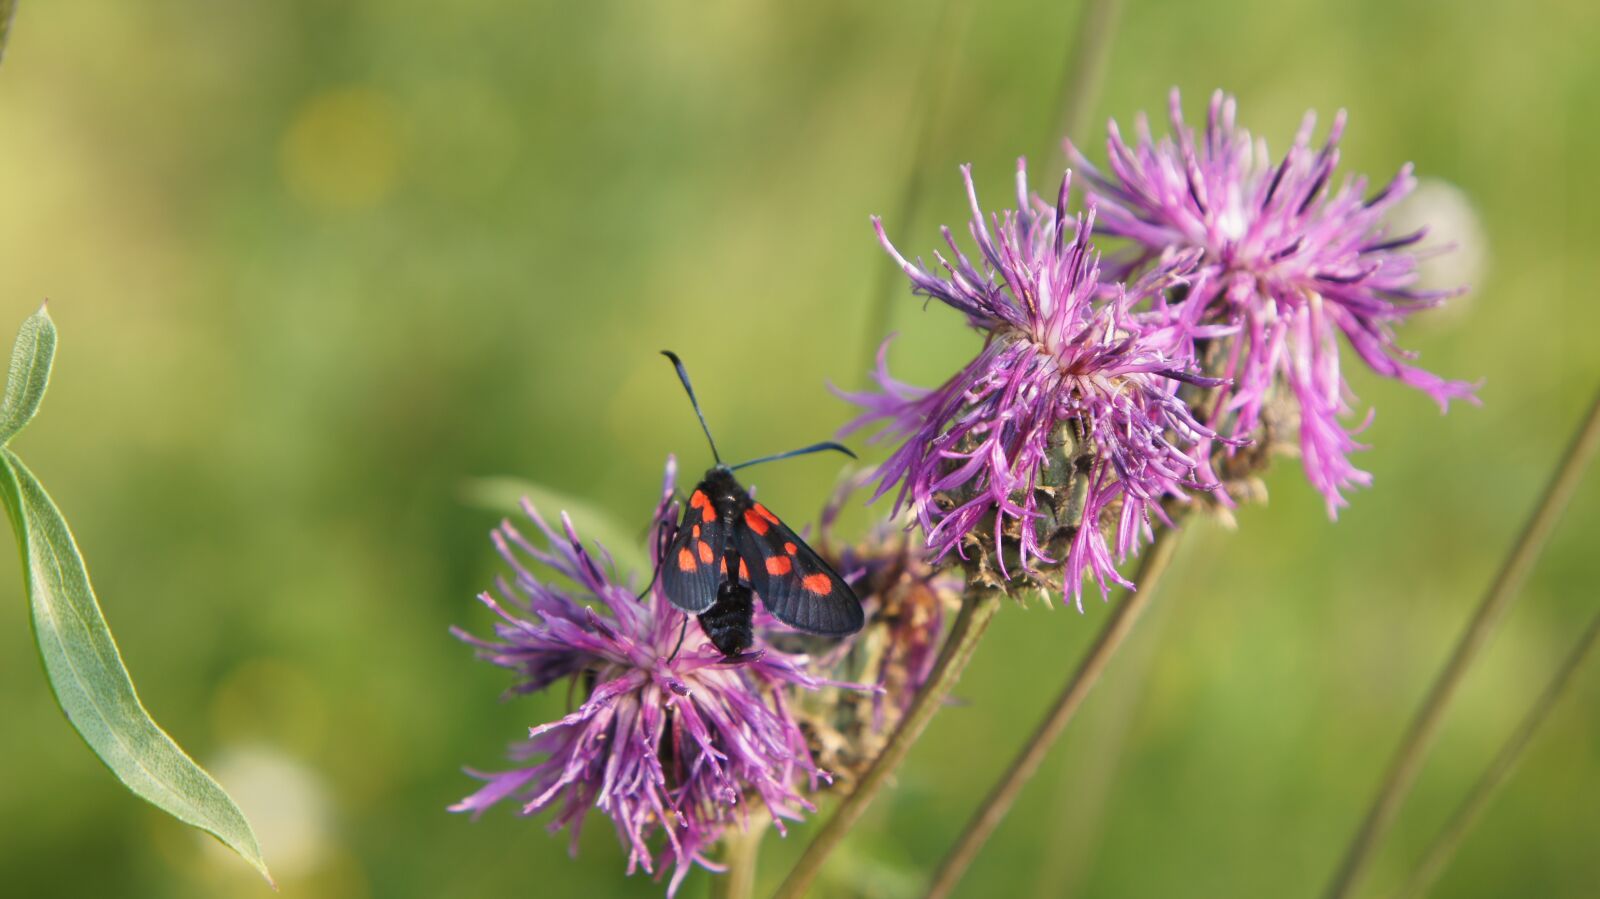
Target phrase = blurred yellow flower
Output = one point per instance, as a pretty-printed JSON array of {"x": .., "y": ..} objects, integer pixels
[{"x": 342, "y": 151}]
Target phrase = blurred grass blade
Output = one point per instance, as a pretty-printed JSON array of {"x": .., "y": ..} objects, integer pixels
[
  {"x": 81, "y": 659},
  {"x": 8, "y": 9},
  {"x": 79, "y": 654},
  {"x": 504, "y": 495},
  {"x": 934, "y": 83},
  {"x": 1424, "y": 727},
  {"x": 30, "y": 372},
  {"x": 1505, "y": 761},
  {"x": 1085, "y": 70}
]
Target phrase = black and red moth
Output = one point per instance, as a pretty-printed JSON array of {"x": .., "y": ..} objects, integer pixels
[{"x": 729, "y": 548}]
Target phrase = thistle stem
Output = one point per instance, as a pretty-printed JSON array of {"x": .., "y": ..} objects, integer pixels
[
  {"x": 1407, "y": 761},
  {"x": 977, "y": 608},
  {"x": 741, "y": 851},
  {"x": 989, "y": 814},
  {"x": 1449, "y": 839},
  {"x": 932, "y": 84},
  {"x": 1084, "y": 792}
]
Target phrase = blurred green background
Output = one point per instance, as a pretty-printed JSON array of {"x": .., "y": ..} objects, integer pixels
[{"x": 317, "y": 264}]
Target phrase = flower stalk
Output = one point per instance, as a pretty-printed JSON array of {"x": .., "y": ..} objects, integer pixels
[
  {"x": 977, "y": 608},
  {"x": 1026, "y": 764},
  {"x": 741, "y": 853}
]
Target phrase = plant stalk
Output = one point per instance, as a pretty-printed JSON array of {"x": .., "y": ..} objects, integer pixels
[
  {"x": 741, "y": 851},
  {"x": 1084, "y": 793},
  {"x": 1022, "y": 768},
  {"x": 977, "y": 608},
  {"x": 1419, "y": 736},
  {"x": 1449, "y": 839}
]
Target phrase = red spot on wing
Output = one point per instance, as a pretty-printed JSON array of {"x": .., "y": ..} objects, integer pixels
[
  {"x": 705, "y": 552},
  {"x": 702, "y": 502},
  {"x": 790, "y": 548},
  {"x": 818, "y": 583},
  {"x": 762, "y": 511},
  {"x": 695, "y": 533},
  {"x": 756, "y": 521},
  {"x": 744, "y": 571},
  {"x": 685, "y": 560},
  {"x": 777, "y": 566}
]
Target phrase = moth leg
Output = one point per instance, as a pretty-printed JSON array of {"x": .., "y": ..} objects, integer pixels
[
  {"x": 683, "y": 631},
  {"x": 663, "y": 541}
]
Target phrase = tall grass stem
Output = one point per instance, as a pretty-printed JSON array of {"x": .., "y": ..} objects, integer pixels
[
  {"x": 1419, "y": 736},
  {"x": 1085, "y": 69},
  {"x": 1444, "y": 846}
]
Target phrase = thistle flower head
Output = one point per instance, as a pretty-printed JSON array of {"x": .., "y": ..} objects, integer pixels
[
  {"x": 674, "y": 749},
  {"x": 1068, "y": 422},
  {"x": 1291, "y": 258}
]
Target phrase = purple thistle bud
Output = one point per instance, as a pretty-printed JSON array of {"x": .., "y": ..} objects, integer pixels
[
  {"x": 1289, "y": 258},
  {"x": 1069, "y": 376},
  {"x": 681, "y": 746},
  {"x": 907, "y": 601}
]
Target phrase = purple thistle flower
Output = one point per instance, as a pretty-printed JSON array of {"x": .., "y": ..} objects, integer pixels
[
  {"x": 1066, "y": 360},
  {"x": 681, "y": 746},
  {"x": 1288, "y": 258}
]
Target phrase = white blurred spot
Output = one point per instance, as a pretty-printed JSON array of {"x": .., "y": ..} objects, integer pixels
[
  {"x": 1451, "y": 220},
  {"x": 286, "y": 804}
]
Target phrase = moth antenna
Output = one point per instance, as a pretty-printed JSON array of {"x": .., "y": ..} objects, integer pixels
[
  {"x": 802, "y": 451},
  {"x": 689, "y": 388}
]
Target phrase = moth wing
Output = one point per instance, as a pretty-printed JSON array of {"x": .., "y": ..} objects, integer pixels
[
  {"x": 691, "y": 569},
  {"x": 794, "y": 583}
]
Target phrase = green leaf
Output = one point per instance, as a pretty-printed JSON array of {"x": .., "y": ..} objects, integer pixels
[
  {"x": 30, "y": 371},
  {"x": 81, "y": 659},
  {"x": 504, "y": 495},
  {"x": 79, "y": 654}
]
